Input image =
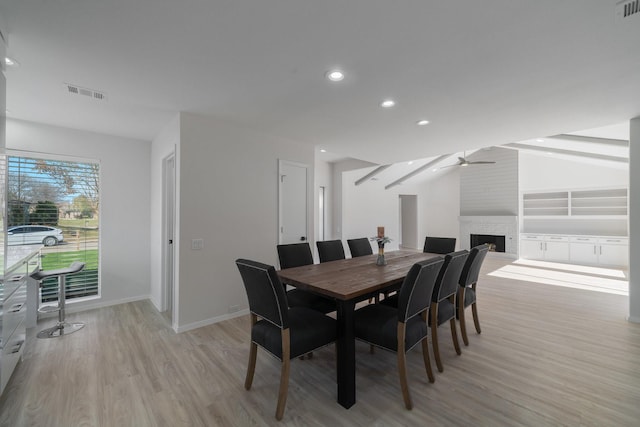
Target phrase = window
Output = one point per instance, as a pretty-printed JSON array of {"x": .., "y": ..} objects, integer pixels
[{"x": 55, "y": 203}]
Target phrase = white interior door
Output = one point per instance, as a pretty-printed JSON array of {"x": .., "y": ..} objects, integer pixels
[
  {"x": 409, "y": 221},
  {"x": 293, "y": 202}
]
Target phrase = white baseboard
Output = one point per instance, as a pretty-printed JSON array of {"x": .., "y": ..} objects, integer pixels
[
  {"x": 211, "y": 321},
  {"x": 91, "y": 304},
  {"x": 633, "y": 319}
]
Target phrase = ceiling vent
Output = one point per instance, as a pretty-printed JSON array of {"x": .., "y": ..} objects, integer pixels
[
  {"x": 83, "y": 91},
  {"x": 627, "y": 8}
]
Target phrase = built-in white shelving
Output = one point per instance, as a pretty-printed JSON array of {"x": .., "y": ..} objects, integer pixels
[{"x": 579, "y": 226}]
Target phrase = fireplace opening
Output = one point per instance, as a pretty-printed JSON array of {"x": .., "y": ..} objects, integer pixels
[{"x": 496, "y": 243}]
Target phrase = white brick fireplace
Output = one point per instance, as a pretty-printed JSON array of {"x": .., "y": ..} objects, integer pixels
[{"x": 506, "y": 226}]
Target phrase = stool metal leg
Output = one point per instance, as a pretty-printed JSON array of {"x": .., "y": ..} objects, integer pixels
[{"x": 61, "y": 327}]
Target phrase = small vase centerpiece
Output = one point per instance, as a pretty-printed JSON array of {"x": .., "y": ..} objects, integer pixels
[{"x": 381, "y": 239}]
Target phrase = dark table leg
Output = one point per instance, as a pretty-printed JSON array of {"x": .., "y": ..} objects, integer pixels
[{"x": 346, "y": 348}]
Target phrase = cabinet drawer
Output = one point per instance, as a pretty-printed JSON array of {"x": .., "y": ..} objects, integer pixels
[
  {"x": 579, "y": 239},
  {"x": 614, "y": 240},
  {"x": 557, "y": 238},
  {"x": 531, "y": 237},
  {"x": 11, "y": 354},
  {"x": 13, "y": 282},
  {"x": 14, "y": 311}
]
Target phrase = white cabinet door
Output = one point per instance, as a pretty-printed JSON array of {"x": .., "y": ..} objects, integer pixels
[
  {"x": 584, "y": 253},
  {"x": 613, "y": 255},
  {"x": 531, "y": 249},
  {"x": 556, "y": 251}
]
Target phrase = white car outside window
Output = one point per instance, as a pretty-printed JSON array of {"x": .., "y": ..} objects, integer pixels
[{"x": 32, "y": 234}]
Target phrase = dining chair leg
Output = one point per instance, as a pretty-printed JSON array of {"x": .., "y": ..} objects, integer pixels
[
  {"x": 476, "y": 321},
  {"x": 427, "y": 361},
  {"x": 284, "y": 375},
  {"x": 474, "y": 311},
  {"x": 425, "y": 354},
  {"x": 433, "y": 312},
  {"x": 253, "y": 352},
  {"x": 452, "y": 324},
  {"x": 463, "y": 327},
  {"x": 402, "y": 366}
]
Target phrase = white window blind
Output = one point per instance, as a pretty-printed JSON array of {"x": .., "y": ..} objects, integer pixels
[{"x": 56, "y": 203}]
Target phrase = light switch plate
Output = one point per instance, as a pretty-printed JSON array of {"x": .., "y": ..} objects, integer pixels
[{"x": 197, "y": 244}]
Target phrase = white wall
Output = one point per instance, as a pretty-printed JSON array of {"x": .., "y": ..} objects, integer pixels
[
  {"x": 634, "y": 220},
  {"x": 163, "y": 145},
  {"x": 124, "y": 200},
  {"x": 338, "y": 196},
  {"x": 544, "y": 173},
  {"x": 441, "y": 207},
  {"x": 369, "y": 205},
  {"x": 490, "y": 189},
  {"x": 229, "y": 198}
]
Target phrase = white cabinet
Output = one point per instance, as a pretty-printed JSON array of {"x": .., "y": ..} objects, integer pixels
[
  {"x": 584, "y": 250},
  {"x": 13, "y": 307},
  {"x": 531, "y": 247},
  {"x": 544, "y": 247},
  {"x": 556, "y": 248},
  {"x": 589, "y": 250},
  {"x": 613, "y": 252}
]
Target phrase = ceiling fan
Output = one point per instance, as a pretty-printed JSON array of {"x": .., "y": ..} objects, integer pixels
[{"x": 462, "y": 161}]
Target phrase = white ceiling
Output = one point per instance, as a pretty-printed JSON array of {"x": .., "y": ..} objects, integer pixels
[{"x": 484, "y": 73}]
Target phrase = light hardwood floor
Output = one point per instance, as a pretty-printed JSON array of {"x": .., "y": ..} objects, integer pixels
[{"x": 547, "y": 356}]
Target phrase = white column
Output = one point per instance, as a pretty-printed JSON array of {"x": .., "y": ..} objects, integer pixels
[{"x": 634, "y": 220}]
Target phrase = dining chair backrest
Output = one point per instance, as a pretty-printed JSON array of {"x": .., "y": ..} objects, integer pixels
[
  {"x": 330, "y": 250},
  {"x": 414, "y": 296},
  {"x": 264, "y": 291},
  {"x": 439, "y": 245},
  {"x": 449, "y": 275},
  {"x": 359, "y": 247},
  {"x": 471, "y": 269},
  {"x": 294, "y": 255}
]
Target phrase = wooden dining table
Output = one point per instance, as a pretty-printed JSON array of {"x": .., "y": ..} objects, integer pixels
[{"x": 349, "y": 281}]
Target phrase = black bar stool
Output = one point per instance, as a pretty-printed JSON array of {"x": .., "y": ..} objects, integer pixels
[{"x": 61, "y": 327}]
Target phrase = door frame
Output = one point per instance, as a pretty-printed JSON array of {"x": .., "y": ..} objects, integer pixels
[
  {"x": 168, "y": 293},
  {"x": 281, "y": 163}
]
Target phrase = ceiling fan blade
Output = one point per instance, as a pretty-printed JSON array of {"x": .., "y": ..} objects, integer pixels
[{"x": 449, "y": 166}]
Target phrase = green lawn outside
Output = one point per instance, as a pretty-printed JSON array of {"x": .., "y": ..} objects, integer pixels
[{"x": 55, "y": 260}]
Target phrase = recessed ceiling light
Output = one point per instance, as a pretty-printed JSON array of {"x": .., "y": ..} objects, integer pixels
[
  {"x": 10, "y": 62},
  {"x": 434, "y": 170},
  {"x": 387, "y": 103},
  {"x": 422, "y": 122},
  {"x": 322, "y": 150},
  {"x": 410, "y": 163},
  {"x": 335, "y": 75},
  {"x": 539, "y": 140}
]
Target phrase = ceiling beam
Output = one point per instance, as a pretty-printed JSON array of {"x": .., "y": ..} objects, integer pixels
[
  {"x": 617, "y": 159},
  {"x": 592, "y": 140},
  {"x": 419, "y": 170},
  {"x": 371, "y": 174}
]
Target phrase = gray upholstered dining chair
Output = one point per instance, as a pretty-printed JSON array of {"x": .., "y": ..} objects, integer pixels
[
  {"x": 443, "y": 301},
  {"x": 439, "y": 245},
  {"x": 286, "y": 333},
  {"x": 467, "y": 288},
  {"x": 402, "y": 328},
  {"x": 296, "y": 255},
  {"x": 359, "y": 247},
  {"x": 330, "y": 250}
]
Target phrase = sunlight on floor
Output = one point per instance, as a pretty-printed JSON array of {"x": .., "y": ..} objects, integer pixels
[{"x": 573, "y": 276}]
